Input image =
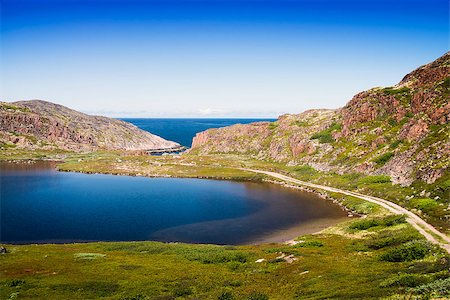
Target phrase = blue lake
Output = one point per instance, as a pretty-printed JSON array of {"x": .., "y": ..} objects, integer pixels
[
  {"x": 39, "y": 204},
  {"x": 183, "y": 130}
]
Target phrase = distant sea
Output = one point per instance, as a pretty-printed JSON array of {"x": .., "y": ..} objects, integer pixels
[{"x": 183, "y": 130}]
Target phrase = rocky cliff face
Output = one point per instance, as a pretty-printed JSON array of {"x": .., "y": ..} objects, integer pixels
[
  {"x": 40, "y": 124},
  {"x": 401, "y": 131}
]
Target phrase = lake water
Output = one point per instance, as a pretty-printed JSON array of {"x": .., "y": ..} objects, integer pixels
[
  {"x": 183, "y": 130},
  {"x": 39, "y": 204}
]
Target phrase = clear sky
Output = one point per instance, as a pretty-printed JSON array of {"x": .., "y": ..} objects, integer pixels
[{"x": 255, "y": 58}]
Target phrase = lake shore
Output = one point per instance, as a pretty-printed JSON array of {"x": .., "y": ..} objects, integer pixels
[
  {"x": 266, "y": 203},
  {"x": 311, "y": 260}
]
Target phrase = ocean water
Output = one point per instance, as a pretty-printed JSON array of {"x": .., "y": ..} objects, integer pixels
[
  {"x": 41, "y": 205},
  {"x": 183, "y": 130}
]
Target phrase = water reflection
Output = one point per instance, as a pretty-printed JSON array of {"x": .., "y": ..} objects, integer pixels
[{"x": 39, "y": 204}]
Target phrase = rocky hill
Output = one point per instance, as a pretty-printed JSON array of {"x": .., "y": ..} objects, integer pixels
[
  {"x": 401, "y": 131},
  {"x": 39, "y": 124}
]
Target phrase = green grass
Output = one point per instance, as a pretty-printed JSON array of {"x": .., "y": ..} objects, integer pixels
[
  {"x": 426, "y": 205},
  {"x": 7, "y": 106},
  {"x": 328, "y": 266},
  {"x": 383, "y": 158},
  {"x": 395, "y": 144},
  {"x": 367, "y": 223},
  {"x": 273, "y": 125},
  {"x": 374, "y": 179},
  {"x": 410, "y": 251},
  {"x": 380, "y": 249},
  {"x": 395, "y": 91},
  {"x": 439, "y": 286},
  {"x": 386, "y": 238},
  {"x": 325, "y": 136}
]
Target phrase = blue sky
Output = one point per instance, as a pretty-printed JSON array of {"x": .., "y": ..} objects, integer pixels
[{"x": 212, "y": 58}]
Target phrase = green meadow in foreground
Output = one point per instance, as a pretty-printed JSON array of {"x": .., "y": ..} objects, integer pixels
[
  {"x": 379, "y": 256},
  {"x": 365, "y": 259}
]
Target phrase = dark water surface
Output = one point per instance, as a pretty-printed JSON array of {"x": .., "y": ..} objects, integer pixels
[
  {"x": 39, "y": 204},
  {"x": 183, "y": 130}
]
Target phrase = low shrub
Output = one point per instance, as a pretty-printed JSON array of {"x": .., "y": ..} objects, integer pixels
[
  {"x": 356, "y": 204},
  {"x": 16, "y": 282},
  {"x": 335, "y": 127},
  {"x": 365, "y": 224},
  {"x": 301, "y": 123},
  {"x": 90, "y": 289},
  {"x": 442, "y": 264},
  {"x": 273, "y": 125},
  {"x": 375, "y": 179},
  {"x": 407, "y": 252},
  {"x": 216, "y": 257},
  {"x": 440, "y": 287},
  {"x": 139, "y": 247},
  {"x": 234, "y": 265},
  {"x": 405, "y": 280},
  {"x": 323, "y": 137},
  {"x": 304, "y": 170},
  {"x": 226, "y": 296},
  {"x": 424, "y": 204},
  {"x": 395, "y": 91},
  {"x": 383, "y": 158},
  {"x": 207, "y": 254},
  {"x": 390, "y": 238},
  {"x": 394, "y": 220},
  {"x": 309, "y": 244},
  {"x": 395, "y": 144},
  {"x": 392, "y": 122},
  {"x": 445, "y": 186}
]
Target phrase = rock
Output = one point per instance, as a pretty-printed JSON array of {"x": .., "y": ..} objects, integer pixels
[
  {"x": 414, "y": 130},
  {"x": 304, "y": 272},
  {"x": 260, "y": 260},
  {"x": 39, "y": 124},
  {"x": 287, "y": 258},
  {"x": 389, "y": 121},
  {"x": 292, "y": 242}
]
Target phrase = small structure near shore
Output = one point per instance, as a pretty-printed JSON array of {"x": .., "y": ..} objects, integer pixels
[{"x": 161, "y": 151}]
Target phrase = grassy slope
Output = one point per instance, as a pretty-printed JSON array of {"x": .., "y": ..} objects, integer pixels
[
  {"x": 328, "y": 265},
  {"x": 342, "y": 262}
]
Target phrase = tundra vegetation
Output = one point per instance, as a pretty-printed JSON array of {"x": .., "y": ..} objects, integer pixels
[
  {"x": 378, "y": 256},
  {"x": 391, "y": 143}
]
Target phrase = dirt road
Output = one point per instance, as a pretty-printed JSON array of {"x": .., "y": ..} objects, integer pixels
[{"x": 429, "y": 232}]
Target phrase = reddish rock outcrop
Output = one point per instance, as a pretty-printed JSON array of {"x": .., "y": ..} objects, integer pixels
[
  {"x": 379, "y": 131},
  {"x": 414, "y": 130},
  {"x": 41, "y": 124}
]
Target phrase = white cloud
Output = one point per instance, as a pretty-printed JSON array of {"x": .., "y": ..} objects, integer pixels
[{"x": 211, "y": 111}]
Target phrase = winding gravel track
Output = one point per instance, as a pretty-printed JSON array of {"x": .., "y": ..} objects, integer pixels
[{"x": 428, "y": 231}]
